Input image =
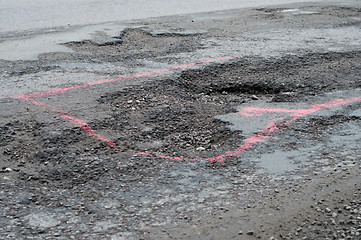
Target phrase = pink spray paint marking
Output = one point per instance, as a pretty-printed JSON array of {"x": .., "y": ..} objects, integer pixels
[
  {"x": 87, "y": 129},
  {"x": 264, "y": 134},
  {"x": 261, "y": 136},
  {"x": 57, "y": 91}
]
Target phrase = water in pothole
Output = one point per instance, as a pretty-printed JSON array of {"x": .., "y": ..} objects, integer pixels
[
  {"x": 257, "y": 116},
  {"x": 277, "y": 162}
]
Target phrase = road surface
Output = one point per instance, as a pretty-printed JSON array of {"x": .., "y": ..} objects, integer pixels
[
  {"x": 19, "y": 15},
  {"x": 236, "y": 124}
]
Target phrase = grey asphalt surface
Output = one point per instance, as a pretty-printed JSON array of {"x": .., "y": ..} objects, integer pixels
[
  {"x": 86, "y": 153},
  {"x": 29, "y": 46},
  {"x": 20, "y": 15}
]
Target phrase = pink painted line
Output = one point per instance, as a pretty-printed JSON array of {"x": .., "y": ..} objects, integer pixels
[
  {"x": 27, "y": 99},
  {"x": 87, "y": 129},
  {"x": 58, "y": 91},
  {"x": 257, "y": 111},
  {"x": 272, "y": 126},
  {"x": 261, "y": 136}
]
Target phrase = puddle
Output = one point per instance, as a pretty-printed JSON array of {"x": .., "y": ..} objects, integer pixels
[
  {"x": 255, "y": 117},
  {"x": 251, "y": 118},
  {"x": 256, "y": 121},
  {"x": 278, "y": 162},
  {"x": 238, "y": 122}
]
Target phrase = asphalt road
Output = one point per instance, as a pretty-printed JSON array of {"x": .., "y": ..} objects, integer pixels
[
  {"x": 236, "y": 124},
  {"x": 19, "y": 15}
]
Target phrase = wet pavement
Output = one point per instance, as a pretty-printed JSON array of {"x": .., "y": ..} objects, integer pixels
[
  {"x": 238, "y": 124},
  {"x": 20, "y": 15}
]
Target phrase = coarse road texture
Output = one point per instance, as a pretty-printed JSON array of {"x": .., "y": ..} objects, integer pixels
[
  {"x": 19, "y": 15},
  {"x": 238, "y": 124}
]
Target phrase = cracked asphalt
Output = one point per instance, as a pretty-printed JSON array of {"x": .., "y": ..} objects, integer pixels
[{"x": 234, "y": 124}]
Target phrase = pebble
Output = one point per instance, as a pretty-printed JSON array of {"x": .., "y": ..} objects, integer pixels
[
  {"x": 250, "y": 233},
  {"x": 347, "y": 207}
]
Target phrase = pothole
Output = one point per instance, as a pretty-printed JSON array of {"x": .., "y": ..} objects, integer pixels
[
  {"x": 176, "y": 116},
  {"x": 139, "y": 42},
  {"x": 166, "y": 119}
]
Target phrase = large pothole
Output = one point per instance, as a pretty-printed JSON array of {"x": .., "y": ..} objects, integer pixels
[{"x": 176, "y": 116}]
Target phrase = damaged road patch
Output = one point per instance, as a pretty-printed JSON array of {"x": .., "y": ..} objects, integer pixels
[
  {"x": 153, "y": 141},
  {"x": 166, "y": 119}
]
